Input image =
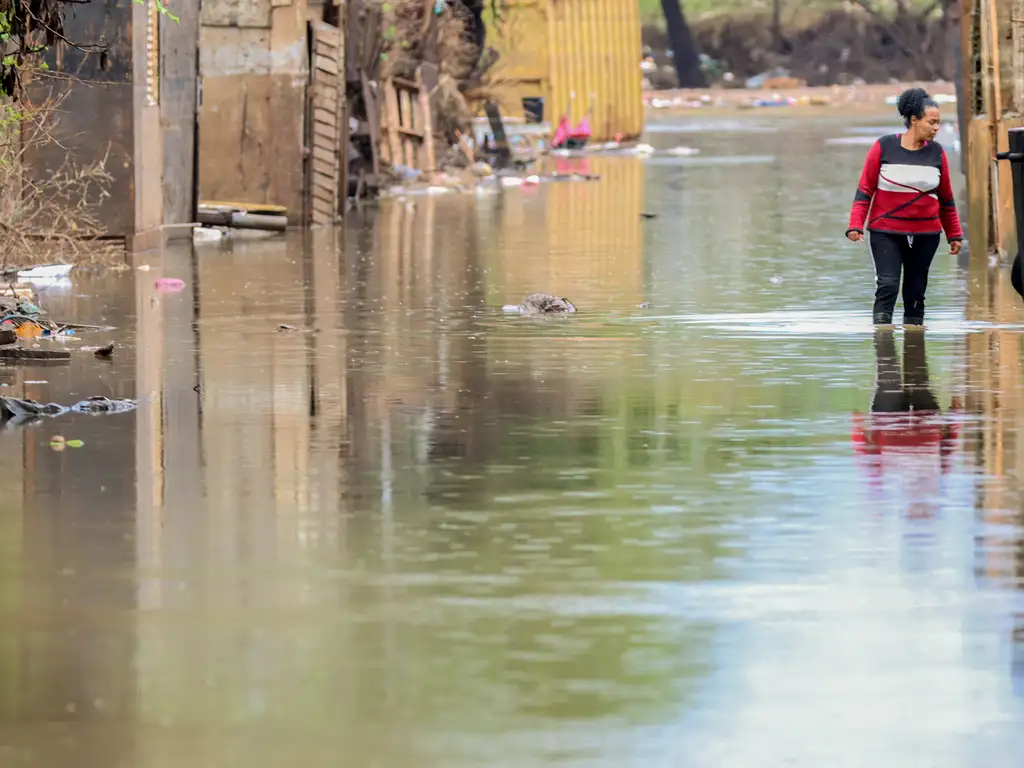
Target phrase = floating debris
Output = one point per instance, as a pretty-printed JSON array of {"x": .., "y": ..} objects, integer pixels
[
  {"x": 541, "y": 304},
  {"x": 169, "y": 285},
  {"x": 16, "y": 412},
  {"x": 46, "y": 271},
  {"x": 106, "y": 351},
  {"x": 20, "y": 354}
]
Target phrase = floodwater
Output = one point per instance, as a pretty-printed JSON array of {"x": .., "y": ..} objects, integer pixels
[{"x": 708, "y": 532}]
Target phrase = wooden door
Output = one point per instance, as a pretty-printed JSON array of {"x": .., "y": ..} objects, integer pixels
[{"x": 327, "y": 113}]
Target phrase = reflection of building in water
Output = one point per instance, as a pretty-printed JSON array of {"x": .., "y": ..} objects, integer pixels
[
  {"x": 993, "y": 373},
  {"x": 993, "y": 369},
  {"x": 582, "y": 240}
]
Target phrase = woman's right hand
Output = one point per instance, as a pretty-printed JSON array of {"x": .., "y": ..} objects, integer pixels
[{"x": 855, "y": 236}]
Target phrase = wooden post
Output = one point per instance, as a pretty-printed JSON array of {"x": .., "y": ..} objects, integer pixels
[
  {"x": 428, "y": 160},
  {"x": 995, "y": 113},
  {"x": 343, "y": 110},
  {"x": 393, "y": 121}
]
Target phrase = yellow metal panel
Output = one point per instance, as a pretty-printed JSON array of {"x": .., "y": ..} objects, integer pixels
[{"x": 580, "y": 55}]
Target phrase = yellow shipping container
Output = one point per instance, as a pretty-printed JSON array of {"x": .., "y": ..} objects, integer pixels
[{"x": 578, "y": 55}]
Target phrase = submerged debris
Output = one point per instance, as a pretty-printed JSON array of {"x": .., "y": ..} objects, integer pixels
[
  {"x": 35, "y": 355},
  {"x": 104, "y": 352},
  {"x": 16, "y": 412},
  {"x": 541, "y": 304}
]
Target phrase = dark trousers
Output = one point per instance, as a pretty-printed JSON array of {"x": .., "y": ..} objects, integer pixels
[
  {"x": 913, "y": 256},
  {"x": 911, "y": 391}
]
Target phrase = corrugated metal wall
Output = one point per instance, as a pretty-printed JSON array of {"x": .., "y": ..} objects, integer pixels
[{"x": 577, "y": 54}]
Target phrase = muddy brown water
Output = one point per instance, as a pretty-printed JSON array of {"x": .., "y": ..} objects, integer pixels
[{"x": 433, "y": 535}]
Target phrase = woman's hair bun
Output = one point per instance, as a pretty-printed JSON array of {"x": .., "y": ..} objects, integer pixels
[{"x": 911, "y": 103}]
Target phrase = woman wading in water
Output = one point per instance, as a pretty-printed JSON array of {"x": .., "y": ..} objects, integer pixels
[{"x": 905, "y": 185}]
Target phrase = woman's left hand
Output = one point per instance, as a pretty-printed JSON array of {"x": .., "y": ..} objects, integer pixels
[{"x": 955, "y": 246}]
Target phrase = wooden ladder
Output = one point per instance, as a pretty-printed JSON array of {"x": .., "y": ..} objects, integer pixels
[{"x": 406, "y": 124}]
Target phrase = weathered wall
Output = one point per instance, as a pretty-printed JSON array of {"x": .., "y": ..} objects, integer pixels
[
  {"x": 254, "y": 67},
  {"x": 95, "y": 119}
]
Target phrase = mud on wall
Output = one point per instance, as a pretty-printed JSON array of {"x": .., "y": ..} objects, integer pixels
[{"x": 254, "y": 68}]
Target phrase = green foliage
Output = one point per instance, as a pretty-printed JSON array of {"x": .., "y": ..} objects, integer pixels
[
  {"x": 163, "y": 9},
  {"x": 28, "y": 31}
]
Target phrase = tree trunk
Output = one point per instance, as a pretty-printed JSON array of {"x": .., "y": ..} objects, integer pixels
[{"x": 684, "y": 51}]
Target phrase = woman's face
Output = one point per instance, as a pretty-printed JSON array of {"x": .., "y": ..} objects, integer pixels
[{"x": 927, "y": 126}]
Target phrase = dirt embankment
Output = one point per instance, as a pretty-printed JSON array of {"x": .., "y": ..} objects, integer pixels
[{"x": 836, "y": 48}]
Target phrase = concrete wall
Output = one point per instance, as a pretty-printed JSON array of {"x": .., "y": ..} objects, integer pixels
[{"x": 254, "y": 67}]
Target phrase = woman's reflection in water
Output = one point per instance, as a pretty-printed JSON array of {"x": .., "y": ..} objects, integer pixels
[{"x": 905, "y": 436}]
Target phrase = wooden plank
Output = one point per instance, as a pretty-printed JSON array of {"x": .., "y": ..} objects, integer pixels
[
  {"x": 406, "y": 114},
  {"x": 343, "y": 115},
  {"x": 325, "y": 117},
  {"x": 325, "y": 64},
  {"x": 995, "y": 117},
  {"x": 428, "y": 161},
  {"x": 323, "y": 198},
  {"x": 393, "y": 120},
  {"x": 325, "y": 156},
  {"x": 410, "y": 132},
  {"x": 373, "y": 118},
  {"x": 323, "y": 100},
  {"x": 322, "y": 181},
  {"x": 327, "y": 47}
]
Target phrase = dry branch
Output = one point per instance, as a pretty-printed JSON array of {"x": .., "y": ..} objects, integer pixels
[{"x": 45, "y": 217}]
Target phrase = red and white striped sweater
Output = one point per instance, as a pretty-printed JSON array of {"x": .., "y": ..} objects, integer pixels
[{"x": 907, "y": 191}]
